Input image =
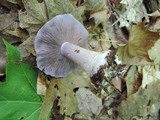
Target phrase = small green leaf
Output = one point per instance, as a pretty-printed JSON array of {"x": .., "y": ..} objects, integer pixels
[
  {"x": 12, "y": 53},
  {"x": 18, "y": 98}
]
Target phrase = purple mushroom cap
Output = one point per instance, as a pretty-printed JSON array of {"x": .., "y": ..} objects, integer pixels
[{"x": 48, "y": 41}]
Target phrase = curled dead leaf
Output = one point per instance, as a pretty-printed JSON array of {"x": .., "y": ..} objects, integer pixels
[
  {"x": 154, "y": 24},
  {"x": 140, "y": 41}
]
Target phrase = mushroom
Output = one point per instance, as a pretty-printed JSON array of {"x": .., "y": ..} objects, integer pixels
[{"x": 61, "y": 44}]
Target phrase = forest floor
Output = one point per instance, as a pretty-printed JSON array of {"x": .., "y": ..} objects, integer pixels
[{"x": 127, "y": 90}]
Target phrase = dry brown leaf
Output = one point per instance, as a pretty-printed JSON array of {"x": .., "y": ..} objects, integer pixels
[
  {"x": 143, "y": 103},
  {"x": 117, "y": 83},
  {"x": 41, "y": 84},
  {"x": 154, "y": 24},
  {"x": 154, "y": 52},
  {"x": 88, "y": 102},
  {"x": 31, "y": 24},
  {"x": 150, "y": 74},
  {"x": 140, "y": 41},
  {"x": 63, "y": 89},
  {"x": 2, "y": 57},
  {"x": 131, "y": 79},
  {"x": 26, "y": 48},
  {"x": 7, "y": 19},
  {"x": 100, "y": 18},
  {"x": 17, "y": 32},
  {"x": 7, "y": 4}
]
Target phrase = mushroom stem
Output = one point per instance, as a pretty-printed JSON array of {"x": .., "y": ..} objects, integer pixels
[{"x": 90, "y": 61}]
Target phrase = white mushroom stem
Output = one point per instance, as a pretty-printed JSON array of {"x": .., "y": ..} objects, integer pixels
[{"x": 90, "y": 61}]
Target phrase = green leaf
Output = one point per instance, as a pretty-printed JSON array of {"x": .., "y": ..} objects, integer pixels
[
  {"x": 18, "y": 98},
  {"x": 13, "y": 55}
]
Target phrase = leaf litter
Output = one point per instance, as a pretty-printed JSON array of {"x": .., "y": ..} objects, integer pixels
[{"x": 128, "y": 91}]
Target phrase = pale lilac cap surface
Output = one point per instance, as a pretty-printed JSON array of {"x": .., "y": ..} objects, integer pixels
[{"x": 60, "y": 29}]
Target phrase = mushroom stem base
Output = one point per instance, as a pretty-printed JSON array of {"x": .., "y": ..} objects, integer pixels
[{"x": 90, "y": 61}]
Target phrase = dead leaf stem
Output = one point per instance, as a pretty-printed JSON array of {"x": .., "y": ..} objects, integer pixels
[{"x": 48, "y": 101}]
